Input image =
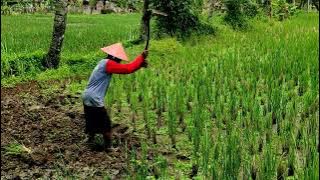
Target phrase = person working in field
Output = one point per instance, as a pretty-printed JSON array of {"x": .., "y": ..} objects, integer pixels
[{"x": 97, "y": 119}]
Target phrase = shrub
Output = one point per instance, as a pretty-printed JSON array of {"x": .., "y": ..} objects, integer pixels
[
  {"x": 181, "y": 20},
  {"x": 21, "y": 64},
  {"x": 6, "y": 10},
  {"x": 283, "y": 10},
  {"x": 239, "y": 11}
]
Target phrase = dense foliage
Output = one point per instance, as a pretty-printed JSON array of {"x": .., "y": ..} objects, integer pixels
[
  {"x": 181, "y": 20},
  {"x": 283, "y": 10},
  {"x": 239, "y": 11}
]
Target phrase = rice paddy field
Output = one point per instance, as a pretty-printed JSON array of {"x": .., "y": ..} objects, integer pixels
[{"x": 234, "y": 105}]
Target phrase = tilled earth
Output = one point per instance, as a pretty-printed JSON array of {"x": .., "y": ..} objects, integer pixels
[{"x": 52, "y": 131}]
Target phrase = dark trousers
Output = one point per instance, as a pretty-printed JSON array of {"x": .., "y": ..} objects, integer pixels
[{"x": 98, "y": 122}]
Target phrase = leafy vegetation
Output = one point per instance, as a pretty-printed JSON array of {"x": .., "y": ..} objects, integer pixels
[
  {"x": 16, "y": 149},
  {"x": 181, "y": 19},
  {"x": 238, "y": 12}
]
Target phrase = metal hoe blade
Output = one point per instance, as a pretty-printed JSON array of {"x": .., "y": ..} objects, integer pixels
[{"x": 156, "y": 12}]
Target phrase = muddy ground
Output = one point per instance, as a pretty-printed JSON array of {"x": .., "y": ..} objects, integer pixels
[{"x": 52, "y": 129}]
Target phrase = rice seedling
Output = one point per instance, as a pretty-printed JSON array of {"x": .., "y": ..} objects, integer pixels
[{"x": 16, "y": 149}]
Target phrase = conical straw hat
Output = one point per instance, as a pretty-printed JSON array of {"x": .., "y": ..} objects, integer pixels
[{"x": 116, "y": 50}]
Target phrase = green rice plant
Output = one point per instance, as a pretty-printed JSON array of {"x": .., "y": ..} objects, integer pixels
[
  {"x": 269, "y": 163},
  {"x": 153, "y": 125},
  {"x": 172, "y": 115},
  {"x": 292, "y": 162},
  {"x": 180, "y": 105},
  {"x": 4, "y": 47},
  {"x": 146, "y": 96},
  {"x": 214, "y": 165},
  {"x": 160, "y": 100},
  {"x": 233, "y": 109},
  {"x": 118, "y": 89},
  {"x": 248, "y": 166},
  {"x": 139, "y": 166},
  {"x": 196, "y": 131},
  {"x": 275, "y": 104},
  {"x": 205, "y": 150},
  {"x": 161, "y": 165},
  {"x": 133, "y": 163},
  {"x": 143, "y": 165},
  {"x": 134, "y": 108},
  {"x": 232, "y": 156},
  {"x": 312, "y": 164}
]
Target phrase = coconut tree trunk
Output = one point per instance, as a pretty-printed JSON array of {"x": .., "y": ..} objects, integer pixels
[
  {"x": 59, "y": 27},
  {"x": 269, "y": 7},
  {"x": 270, "y": 10}
]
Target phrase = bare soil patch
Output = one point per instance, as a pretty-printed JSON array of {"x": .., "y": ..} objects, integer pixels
[{"x": 53, "y": 129}]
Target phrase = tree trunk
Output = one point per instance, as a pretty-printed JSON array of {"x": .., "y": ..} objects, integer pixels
[
  {"x": 270, "y": 8},
  {"x": 59, "y": 27},
  {"x": 144, "y": 21}
]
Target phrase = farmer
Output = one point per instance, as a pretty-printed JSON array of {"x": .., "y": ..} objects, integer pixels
[{"x": 97, "y": 119}]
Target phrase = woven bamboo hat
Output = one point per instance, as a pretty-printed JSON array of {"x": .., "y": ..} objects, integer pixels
[{"x": 116, "y": 50}]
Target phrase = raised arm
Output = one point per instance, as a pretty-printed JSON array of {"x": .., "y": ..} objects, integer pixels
[{"x": 113, "y": 67}]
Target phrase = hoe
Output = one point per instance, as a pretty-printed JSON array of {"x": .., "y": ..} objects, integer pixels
[{"x": 147, "y": 19}]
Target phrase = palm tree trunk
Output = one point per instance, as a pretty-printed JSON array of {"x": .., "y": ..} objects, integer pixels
[
  {"x": 268, "y": 7},
  {"x": 59, "y": 27}
]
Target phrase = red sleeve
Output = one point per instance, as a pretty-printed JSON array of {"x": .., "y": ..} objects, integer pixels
[{"x": 113, "y": 67}]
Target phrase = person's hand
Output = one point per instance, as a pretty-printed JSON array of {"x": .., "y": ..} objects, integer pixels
[
  {"x": 144, "y": 64},
  {"x": 145, "y": 54}
]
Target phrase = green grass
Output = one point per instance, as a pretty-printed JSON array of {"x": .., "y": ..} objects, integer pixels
[
  {"x": 249, "y": 99},
  {"x": 26, "y": 38},
  {"x": 84, "y": 34}
]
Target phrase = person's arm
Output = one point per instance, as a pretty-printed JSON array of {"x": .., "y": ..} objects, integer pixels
[{"x": 113, "y": 67}]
